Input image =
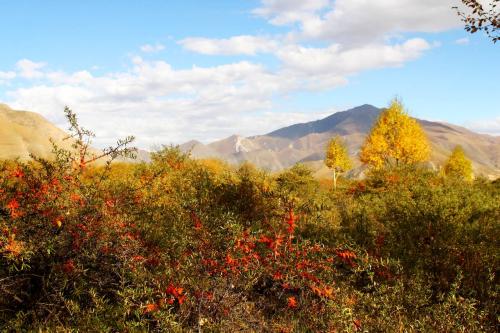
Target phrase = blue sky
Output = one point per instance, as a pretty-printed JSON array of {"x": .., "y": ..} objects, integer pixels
[{"x": 171, "y": 71}]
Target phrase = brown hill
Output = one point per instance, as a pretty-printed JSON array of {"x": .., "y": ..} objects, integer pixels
[{"x": 23, "y": 133}]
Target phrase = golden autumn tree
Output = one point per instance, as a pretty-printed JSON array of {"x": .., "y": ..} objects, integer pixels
[
  {"x": 458, "y": 165},
  {"x": 395, "y": 139},
  {"x": 337, "y": 158}
]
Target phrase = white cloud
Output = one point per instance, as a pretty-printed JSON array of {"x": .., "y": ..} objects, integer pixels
[
  {"x": 7, "y": 75},
  {"x": 148, "y": 48},
  {"x": 487, "y": 126},
  {"x": 29, "y": 69},
  {"x": 161, "y": 104},
  {"x": 360, "y": 21},
  {"x": 155, "y": 102},
  {"x": 248, "y": 45},
  {"x": 282, "y": 12},
  {"x": 344, "y": 61},
  {"x": 462, "y": 41}
]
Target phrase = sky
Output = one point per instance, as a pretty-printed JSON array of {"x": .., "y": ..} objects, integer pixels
[{"x": 171, "y": 71}]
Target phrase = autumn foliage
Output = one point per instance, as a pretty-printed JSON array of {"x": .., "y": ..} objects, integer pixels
[
  {"x": 395, "y": 139},
  {"x": 184, "y": 245},
  {"x": 458, "y": 165},
  {"x": 337, "y": 158}
]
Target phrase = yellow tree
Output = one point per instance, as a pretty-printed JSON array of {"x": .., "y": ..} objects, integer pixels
[
  {"x": 458, "y": 165},
  {"x": 337, "y": 158},
  {"x": 396, "y": 138}
]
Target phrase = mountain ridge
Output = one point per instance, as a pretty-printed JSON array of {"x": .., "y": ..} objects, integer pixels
[
  {"x": 305, "y": 143},
  {"x": 324, "y": 124},
  {"x": 24, "y": 133}
]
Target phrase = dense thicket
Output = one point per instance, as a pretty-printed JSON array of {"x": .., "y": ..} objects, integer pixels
[{"x": 185, "y": 245}]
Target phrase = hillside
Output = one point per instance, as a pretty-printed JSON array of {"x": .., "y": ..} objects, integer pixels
[
  {"x": 305, "y": 143},
  {"x": 23, "y": 133}
]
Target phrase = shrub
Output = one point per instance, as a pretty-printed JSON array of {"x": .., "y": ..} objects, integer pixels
[{"x": 185, "y": 245}]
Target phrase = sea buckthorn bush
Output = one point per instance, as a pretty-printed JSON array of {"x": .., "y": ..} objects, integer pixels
[{"x": 90, "y": 242}]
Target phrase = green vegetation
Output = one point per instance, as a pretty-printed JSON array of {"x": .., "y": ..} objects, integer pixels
[
  {"x": 458, "y": 165},
  {"x": 184, "y": 245}
]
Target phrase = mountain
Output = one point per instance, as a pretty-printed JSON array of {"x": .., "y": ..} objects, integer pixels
[
  {"x": 199, "y": 150},
  {"x": 23, "y": 133},
  {"x": 305, "y": 143},
  {"x": 358, "y": 119}
]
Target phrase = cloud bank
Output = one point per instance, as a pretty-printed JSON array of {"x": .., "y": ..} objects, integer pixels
[{"x": 326, "y": 43}]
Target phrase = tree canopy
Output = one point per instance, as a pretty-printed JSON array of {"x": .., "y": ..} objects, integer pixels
[
  {"x": 337, "y": 158},
  {"x": 458, "y": 165},
  {"x": 395, "y": 139}
]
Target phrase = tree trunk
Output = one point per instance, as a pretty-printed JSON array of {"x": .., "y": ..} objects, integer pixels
[{"x": 334, "y": 179}]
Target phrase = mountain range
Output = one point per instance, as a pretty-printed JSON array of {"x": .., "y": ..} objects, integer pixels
[
  {"x": 305, "y": 143},
  {"x": 23, "y": 133}
]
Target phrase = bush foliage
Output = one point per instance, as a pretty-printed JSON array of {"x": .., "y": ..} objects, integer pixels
[{"x": 197, "y": 245}]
